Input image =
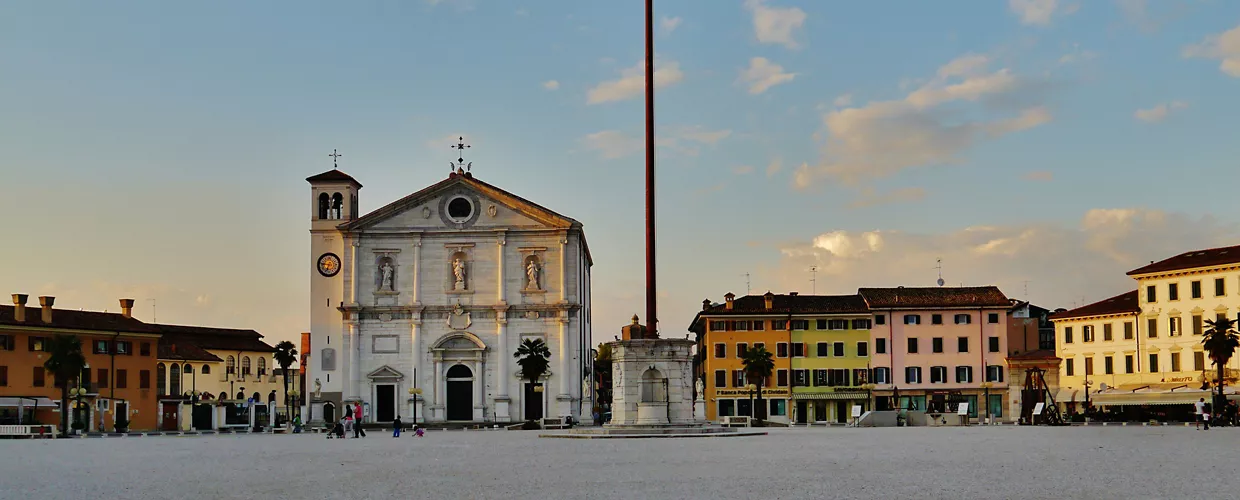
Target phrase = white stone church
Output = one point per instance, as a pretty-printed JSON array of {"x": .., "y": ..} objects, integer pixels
[{"x": 435, "y": 291}]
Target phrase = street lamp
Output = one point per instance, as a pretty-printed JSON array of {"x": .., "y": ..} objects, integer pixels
[
  {"x": 986, "y": 399},
  {"x": 78, "y": 393}
]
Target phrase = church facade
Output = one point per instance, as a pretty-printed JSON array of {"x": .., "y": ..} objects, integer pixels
[{"x": 420, "y": 305}]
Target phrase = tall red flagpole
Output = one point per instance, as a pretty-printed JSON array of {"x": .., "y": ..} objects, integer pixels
[{"x": 652, "y": 318}]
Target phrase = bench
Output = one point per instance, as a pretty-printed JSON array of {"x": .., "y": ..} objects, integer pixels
[
  {"x": 30, "y": 431},
  {"x": 554, "y": 423},
  {"x": 735, "y": 421}
]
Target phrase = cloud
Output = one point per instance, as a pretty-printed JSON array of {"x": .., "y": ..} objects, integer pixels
[
  {"x": 714, "y": 188},
  {"x": 774, "y": 167},
  {"x": 1137, "y": 13},
  {"x": 870, "y": 198},
  {"x": 1088, "y": 258},
  {"x": 669, "y": 24},
  {"x": 932, "y": 125},
  {"x": 1158, "y": 113},
  {"x": 843, "y": 101},
  {"x": 551, "y": 85},
  {"x": 1077, "y": 55},
  {"x": 763, "y": 74},
  {"x": 613, "y": 144},
  {"x": 776, "y": 25},
  {"x": 632, "y": 82},
  {"x": 1038, "y": 12},
  {"x": 742, "y": 170},
  {"x": 1040, "y": 175},
  {"x": 1224, "y": 47}
]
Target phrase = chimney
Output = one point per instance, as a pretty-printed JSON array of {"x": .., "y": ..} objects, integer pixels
[
  {"x": 770, "y": 300},
  {"x": 127, "y": 308},
  {"x": 794, "y": 294},
  {"x": 706, "y": 305},
  {"x": 47, "y": 302},
  {"x": 728, "y": 299},
  {"x": 19, "y": 307}
]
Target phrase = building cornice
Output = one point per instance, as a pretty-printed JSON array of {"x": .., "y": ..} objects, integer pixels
[
  {"x": 53, "y": 329},
  {"x": 1196, "y": 271}
]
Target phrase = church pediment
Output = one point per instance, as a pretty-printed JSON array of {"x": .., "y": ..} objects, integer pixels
[
  {"x": 385, "y": 372},
  {"x": 460, "y": 202}
]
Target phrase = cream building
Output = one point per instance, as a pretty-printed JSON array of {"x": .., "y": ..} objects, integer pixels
[
  {"x": 434, "y": 292},
  {"x": 1144, "y": 347}
]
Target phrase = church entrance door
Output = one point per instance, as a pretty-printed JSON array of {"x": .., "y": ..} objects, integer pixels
[
  {"x": 460, "y": 403},
  {"x": 533, "y": 402},
  {"x": 385, "y": 403}
]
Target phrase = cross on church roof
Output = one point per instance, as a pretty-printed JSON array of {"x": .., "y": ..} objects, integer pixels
[
  {"x": 460, "y": 160},
  {"x": 335, "y": 155}
]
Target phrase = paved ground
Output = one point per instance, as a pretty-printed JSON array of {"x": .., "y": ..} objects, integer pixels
[{"x": 948, "y": 463}]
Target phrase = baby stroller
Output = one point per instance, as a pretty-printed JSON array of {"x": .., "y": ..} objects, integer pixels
[{"x": 337, "y": 431}]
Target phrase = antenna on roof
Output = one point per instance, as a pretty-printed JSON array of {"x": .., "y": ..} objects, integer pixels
[
  {"x": 1026, "y": 290},
  {"x": 813, "y": 279},
  {"x": 939, "y": 265},
  {"x": 748, "y": 289}
]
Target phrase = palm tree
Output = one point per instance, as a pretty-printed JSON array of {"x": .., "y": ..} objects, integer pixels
[
  {"x": 532, "y": 356},
  {"x": 65, "y": 361},
  {"x": 758, "y": 363},
  {"x": 1221, "y": 341},
  {"x": 286, "y": 355}
]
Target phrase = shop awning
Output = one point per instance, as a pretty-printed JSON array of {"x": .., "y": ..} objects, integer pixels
[
  {"x": 1180, "y": 397},
  {"x": 1069, "y": 396},
  {"x": 831, "y": 395},
  {"x": 14, "y": 402}
]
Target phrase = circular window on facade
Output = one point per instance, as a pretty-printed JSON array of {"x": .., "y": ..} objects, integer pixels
[{"x": 460, "y": 209}]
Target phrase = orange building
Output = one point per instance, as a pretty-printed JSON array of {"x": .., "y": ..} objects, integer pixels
[{"x": 120, "y": 353}]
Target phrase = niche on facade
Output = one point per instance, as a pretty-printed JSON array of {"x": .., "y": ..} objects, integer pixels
[
  {"x": 385, "y": 275},
  {"x": 458, "y": 272}
]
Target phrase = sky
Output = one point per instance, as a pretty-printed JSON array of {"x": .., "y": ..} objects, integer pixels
[{"x": 158, "y": 151}]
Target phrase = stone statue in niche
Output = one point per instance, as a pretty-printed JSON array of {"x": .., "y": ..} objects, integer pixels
[
  {"x": 458, "y": 271},
  {"x": 531, "y": 274},
  {"x": 386, "y": 270},
  {"x": 318, "y": 388}
]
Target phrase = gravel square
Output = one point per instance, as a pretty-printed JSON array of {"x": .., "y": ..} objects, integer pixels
[{"x": 951, "y": 463}]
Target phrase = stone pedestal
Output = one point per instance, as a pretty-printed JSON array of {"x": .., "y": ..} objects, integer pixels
[{"x": 652, "y": 383}]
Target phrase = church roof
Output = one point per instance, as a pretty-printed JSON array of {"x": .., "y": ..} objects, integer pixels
[
  {"x": 513, "y": 201},
  {"x": 333, "y": 175}
]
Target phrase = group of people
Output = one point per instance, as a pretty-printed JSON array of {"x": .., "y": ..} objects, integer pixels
[
  {"x": 351, "y": 422},
  {"x": 1206, "y": 415}
]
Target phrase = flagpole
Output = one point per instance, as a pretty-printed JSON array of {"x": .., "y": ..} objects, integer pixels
[{"x": 652, "y": 320}]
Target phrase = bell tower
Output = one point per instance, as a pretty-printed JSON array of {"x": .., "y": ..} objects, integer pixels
[{"x": 333, "y": 201}]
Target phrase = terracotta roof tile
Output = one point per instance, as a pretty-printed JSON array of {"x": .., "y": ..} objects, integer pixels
[
  {"x": 214, "y": 338},
  {"x": 1120, "y": 304},
  {"x": 946, "y": 297},
  {"x": 792, "y": 304},
  {"x": 1194, "y": 259},
  {"x": 184, "y": 350},
  {"x": 333, "y": 176},
  {"x": 76, "y": 320}
]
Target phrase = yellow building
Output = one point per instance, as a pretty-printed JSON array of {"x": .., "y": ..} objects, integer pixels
[
  {"x": 220, "y": 364},
  {"x": 1144, "y": 348},
  {"x": 831, "y": 358},
  {"x": 821, "y": 348}
]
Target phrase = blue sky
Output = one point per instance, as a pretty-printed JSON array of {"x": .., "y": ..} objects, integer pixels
[{"x": 159, "y": 151}]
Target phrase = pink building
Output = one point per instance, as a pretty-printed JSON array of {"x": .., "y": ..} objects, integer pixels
[{"x": 937, "y": 347}]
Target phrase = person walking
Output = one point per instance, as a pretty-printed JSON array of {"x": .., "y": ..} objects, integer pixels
[
  {"x": 1200, "y": 409},
  {"x": 358, "y": 432},
  {"x": 396, "y": 427}
]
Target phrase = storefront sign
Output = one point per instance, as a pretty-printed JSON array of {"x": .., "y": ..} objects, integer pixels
[{"x": 747, "y": 393}]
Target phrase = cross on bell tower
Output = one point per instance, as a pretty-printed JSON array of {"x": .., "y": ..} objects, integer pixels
[{"x": 460, "y": 166}]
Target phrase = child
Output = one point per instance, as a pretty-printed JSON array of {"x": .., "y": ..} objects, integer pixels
[
  {"x": 396, "y": 427},
  {"x": 417, "y": 431}
]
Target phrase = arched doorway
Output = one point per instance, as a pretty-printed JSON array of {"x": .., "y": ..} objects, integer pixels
[
  {"x": 460, "y": 401},
  {"x": 329, "y": 412}
]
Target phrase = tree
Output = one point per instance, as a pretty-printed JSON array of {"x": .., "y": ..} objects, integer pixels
[
  {"x": 65, "y": 361},
  {"x": 758, "y": 363},
  {"x": 1221, "y": 341},
  {"x": 532, "y": 356},
  {"x": 286, "y": 355}
]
